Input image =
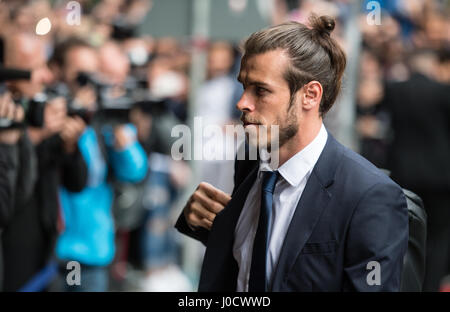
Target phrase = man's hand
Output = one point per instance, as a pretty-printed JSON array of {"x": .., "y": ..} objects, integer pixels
[
  {"x": 70, "y": 133},
  {"x": 55, "y": 113},
  {"x": 204, "y": 204},
  {"x": 122, "y": 137},
  {"x": 86, "y": 97},
  {"x": 9, "y": 110}
]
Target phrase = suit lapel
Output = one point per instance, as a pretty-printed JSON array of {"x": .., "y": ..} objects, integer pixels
[
  {"x": 220, "y": 242},
  {"x": 219, "y": 270},
  {"x": 308, "y": 211},
  {"x": 312, "y": 203}
]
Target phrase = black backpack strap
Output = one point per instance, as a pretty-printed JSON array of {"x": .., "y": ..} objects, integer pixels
[{"x": 414, "y": 260}]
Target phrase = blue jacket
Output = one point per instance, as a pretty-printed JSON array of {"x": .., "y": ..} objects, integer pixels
[{"x": 88, "y": 236}]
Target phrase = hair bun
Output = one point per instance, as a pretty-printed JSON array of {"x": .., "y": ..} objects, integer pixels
[{"x": 323, "y": 24}]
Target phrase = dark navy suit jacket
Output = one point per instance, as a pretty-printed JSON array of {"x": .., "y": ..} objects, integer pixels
[{"x": 350, "y": 213}]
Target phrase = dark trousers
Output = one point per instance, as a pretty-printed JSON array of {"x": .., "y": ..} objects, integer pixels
[{"x": 1, "y": 262}]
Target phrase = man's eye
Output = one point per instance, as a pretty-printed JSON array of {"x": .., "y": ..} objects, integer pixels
[{"x": 260, "y": 91}]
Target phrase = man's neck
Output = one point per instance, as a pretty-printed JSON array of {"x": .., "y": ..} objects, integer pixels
[{"x": 305, "y": 135}]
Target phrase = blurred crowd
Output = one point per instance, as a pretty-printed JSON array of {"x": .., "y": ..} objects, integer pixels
[
  {"x": 88, "y": 153},
  {"x": 88, "y": 157},
  {"x": 403, "y": 112}
]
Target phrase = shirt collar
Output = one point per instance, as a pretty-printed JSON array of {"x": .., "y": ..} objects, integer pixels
[{"x": 297, "y": 167}]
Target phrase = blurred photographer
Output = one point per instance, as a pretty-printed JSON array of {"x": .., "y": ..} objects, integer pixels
[
  {"x": 9, "y": 166},
  {"x": 112, "y": 154},
  {"x": 30, "y": 233}
]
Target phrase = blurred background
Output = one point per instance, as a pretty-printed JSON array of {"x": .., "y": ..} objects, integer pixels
[{"x": 144, "y": 66}]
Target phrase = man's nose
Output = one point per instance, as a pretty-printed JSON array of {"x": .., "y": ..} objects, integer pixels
[{"x": 245, "y": 103}]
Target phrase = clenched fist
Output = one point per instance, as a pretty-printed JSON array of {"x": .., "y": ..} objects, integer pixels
[{"x": 204, "y": 204}]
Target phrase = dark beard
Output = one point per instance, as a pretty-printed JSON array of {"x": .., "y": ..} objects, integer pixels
[
  {"x": 288, "y": 133},
  {"x": 290, "y": 130},
  {"x": 285, "y": 133},
  {"x": 287, "y": 128}
]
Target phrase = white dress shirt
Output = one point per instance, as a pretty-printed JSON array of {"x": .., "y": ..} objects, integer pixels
[{"x": 294, "y": 174}]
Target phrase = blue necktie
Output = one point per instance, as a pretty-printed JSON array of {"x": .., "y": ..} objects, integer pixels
[{"x": 258, "y": 278}]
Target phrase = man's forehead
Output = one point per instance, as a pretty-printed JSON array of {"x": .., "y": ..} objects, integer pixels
[{"x": 268, "y": 65}]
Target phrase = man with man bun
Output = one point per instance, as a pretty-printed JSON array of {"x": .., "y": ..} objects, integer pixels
[{"x": 325, "y": 218}]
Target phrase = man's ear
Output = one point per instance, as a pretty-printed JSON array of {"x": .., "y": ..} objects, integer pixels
[{"x": 312, "y": 95}]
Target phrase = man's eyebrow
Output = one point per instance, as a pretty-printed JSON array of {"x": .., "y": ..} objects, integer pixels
[
  {"x": 253, "y": 82},
  {"x": 258, "y": 83}
]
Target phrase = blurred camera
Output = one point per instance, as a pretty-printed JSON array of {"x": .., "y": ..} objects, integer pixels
[
  {"x": 113, "y": 102},
  {"x": 33, "y": 108},
  {"x": 73, "y": 109}
]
